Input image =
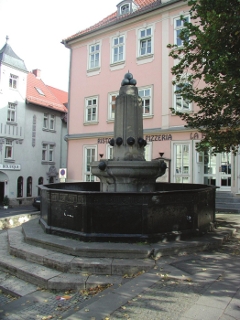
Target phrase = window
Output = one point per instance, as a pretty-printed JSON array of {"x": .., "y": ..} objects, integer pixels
[
  {"x": 40, "y": 91},
  {"x": 125, "y": 9},
  {"x": 180, "y": 104},
  {"x": 29, "y": 186},
  {"x": 112, "y": 105},
  {"x": 178, "y": 26},
  {"x": 12, "y": 112},
  {"x": 146, "y": 95},
  {"x": 9, "y": 149},
  {"x": 90, "y": 155},
  {"x": 148, "y": 151},
  {"x": 145, "y": 41},
  {"x": 94, "y": 56},
  {"x": 20, "y": 187},
  {"x": 109, "y": 152},
  {"x": 48, "y": 121},
  {"x": 13, "y": 81},
  {"x": 91, "y": 109},
  {"x": 118, "y": 47},
  {"x": 48, "y": 152},
  {"x": 182, "y": 163}
]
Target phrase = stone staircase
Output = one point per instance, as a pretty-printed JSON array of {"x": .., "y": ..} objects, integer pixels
[
  {"x": 31, "y": 259},
  {"x": 227, "y": 202}
]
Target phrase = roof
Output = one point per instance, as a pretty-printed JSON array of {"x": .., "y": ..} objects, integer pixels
[
  {"x": 61, "y": 95},
  {"x": 9, "y": 57},
  {"x": 144, "y": 6},
  {"x": 48, "y": 98}
]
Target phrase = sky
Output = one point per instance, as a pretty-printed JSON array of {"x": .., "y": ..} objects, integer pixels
[{"x": 36, "y": 28}]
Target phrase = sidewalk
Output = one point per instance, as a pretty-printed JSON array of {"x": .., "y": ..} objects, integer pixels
[{"x": 201, "y": 286}]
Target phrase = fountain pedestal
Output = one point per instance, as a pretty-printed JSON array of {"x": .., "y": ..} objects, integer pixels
[{"x": 128, "y": 171}]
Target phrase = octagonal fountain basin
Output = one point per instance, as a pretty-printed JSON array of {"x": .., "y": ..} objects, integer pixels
[{"x": 81, "y": 211}]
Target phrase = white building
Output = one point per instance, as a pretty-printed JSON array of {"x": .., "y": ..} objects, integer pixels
[{"x": 32, "y": 130}]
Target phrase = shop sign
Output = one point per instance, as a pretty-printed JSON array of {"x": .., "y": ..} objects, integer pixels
[
  {"x": 10, "y": 166},
  {"x": 103, "y": 140},
  {"x": 159, "y": 137}
]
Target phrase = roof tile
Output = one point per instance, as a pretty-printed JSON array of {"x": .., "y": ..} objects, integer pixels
[
  {"x": 49, "y": 99},
  {"x": 142, "y": 4}
]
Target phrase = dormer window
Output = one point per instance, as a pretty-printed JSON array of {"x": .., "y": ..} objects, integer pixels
[
  {"x": 39, "y": 91},
  {"x": 125, "y": 9}
]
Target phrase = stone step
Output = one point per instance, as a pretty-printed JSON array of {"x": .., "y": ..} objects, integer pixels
[
  {"x": 16, "y": 287},
  {"x": 28, "y": 272},
  {"x": 73, "y": 264},
  {"x": 34, "y": 235},
  {"x": 50, "y": 269}
]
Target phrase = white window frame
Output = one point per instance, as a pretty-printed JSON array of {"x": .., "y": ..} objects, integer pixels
[
  {"x": 145, "y": 98},
  {"x": 94, "y": 51},
  {"x": 49, "y": 121},
  {"x": 12, "y": 112},
  {"x": 48, "y": 152},
  {"x": 92, "y": 149},
  {"x": 185, "y": 105},
  {"x": 111, "y": 103},
  {"x": 182, "y": 173},
  {"x": 117, "y": 45},
  {"x": 125, "y": 9},
  {"x": 91, "y": 109},
  {"x": 109, "y": 152},
  {"x": 13, "y": 81},
  {"x": 148, "y": 151},
  {"x": 178, "y": 26},
  {"x": 144, "y": 37},
  {"x": 8, "y": 155}
]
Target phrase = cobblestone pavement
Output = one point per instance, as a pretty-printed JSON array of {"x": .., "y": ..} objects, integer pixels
[
  {"x": 52, "y": 305},
  {"x": 165, "y": 300}
]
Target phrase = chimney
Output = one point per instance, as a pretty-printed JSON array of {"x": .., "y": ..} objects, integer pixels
[{"x": 37, "y": 73}]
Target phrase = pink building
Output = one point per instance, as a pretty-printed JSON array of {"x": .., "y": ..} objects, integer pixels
[{"x": 135, "y": 38}]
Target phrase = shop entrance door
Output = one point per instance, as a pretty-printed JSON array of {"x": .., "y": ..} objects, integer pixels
[{"x": 217, "y": 170}]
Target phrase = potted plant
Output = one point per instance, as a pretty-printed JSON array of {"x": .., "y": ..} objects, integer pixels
[{"x": 5, "y": 202}]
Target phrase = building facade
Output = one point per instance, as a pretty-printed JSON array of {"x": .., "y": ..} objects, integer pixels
[
  {"x": 135, "y": 39},
  {"x": 32, "y": 129}
]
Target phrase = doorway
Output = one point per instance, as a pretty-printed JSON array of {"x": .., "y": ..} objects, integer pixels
[{"x": 217, "y": 170}]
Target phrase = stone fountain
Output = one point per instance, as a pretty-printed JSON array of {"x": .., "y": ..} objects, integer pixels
[{"x": 127, "y": 205}]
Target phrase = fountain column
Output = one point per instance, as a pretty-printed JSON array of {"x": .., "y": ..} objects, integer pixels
[{"x": 128, "y": 171}]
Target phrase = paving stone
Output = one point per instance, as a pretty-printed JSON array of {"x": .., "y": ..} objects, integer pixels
[{"x": 131, "y": 266}]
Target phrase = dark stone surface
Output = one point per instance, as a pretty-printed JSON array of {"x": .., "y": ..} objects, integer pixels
[{"x": 93, "y": 215}]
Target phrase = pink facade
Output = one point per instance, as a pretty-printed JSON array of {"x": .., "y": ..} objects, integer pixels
[{"x": 100, "y": 56}]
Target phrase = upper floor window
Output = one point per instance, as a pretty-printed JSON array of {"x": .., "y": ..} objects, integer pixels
[
  {"x": 12, "y": 112},
  {"x": 48, "y": 121},
  {"x": 40, "y": 91},
  {"x": 112, "y": 105},
  {"x": 9, "y": 149},
  {"x": 145, "y": 41},
  {"x": 146, "y": 95},
  {"x": 94, "y": 56},
  {"x": 180, "y": 104},
  {"x": 178, "y": 26},
  {"x": 118, "y": 48},
  {"x": 48, "y": 152},
  {"x": 13, "y": 80},
  {"x": 91, "y": 109},
  {"x": 125, "y": 9}
]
